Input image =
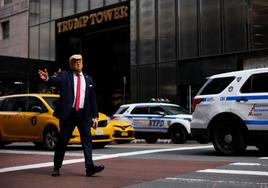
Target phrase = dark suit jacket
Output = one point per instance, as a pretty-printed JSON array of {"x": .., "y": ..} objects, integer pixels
[{"x": 64, "y": 80}]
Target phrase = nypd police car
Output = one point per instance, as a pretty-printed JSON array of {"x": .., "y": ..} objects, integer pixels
[
  {"x": 156, "y": 120},
  {"x": 231, "y": 111}
]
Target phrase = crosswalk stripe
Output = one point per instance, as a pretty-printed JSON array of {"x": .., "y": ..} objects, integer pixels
[{"x": 239, "y": 172}]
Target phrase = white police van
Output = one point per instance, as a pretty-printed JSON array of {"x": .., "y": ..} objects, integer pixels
[
  {"x": 156, "y": 120},
  {"x": 231, "y": 111}
]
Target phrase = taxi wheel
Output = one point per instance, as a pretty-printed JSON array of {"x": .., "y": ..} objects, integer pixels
[
  {"x": 50, "y": 138},
  {"x": 228, "y": 139},
  {"x": 178, "y": 135}
]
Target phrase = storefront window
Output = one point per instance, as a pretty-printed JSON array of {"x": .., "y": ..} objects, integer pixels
[
  {"x": 81, "y": 5},
  {"x": 34, "y": 12},
  {"x": 96, "y": 4},
  {"x": 109, "y": 2},
  {"x": 44, "y": 41},
  {"x": 68, "y": 7},
  {"x": 52, "y": 41},
  {"x": 56, "y": 9},
  {"x": 34, "y": 42},
  {"x": 44, "y": 10}
]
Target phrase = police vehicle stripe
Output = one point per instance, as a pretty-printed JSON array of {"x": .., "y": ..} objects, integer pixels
[
  {"x": 256, "y": 122},
  {"x": 150, "y": 129},
  {"x": 157, "y": 117},
  {"x": 231, "y": 98}
]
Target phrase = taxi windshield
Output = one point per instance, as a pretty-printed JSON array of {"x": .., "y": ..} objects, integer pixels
[
  {"x": 175, "y": 110},
  {"x": 51, "y": 101}
]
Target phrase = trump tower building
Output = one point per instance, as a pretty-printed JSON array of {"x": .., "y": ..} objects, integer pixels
[{"x": 141, "y": 49}]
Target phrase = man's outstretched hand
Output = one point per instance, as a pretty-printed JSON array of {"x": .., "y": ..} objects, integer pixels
[{"x": 43, "y": 74}]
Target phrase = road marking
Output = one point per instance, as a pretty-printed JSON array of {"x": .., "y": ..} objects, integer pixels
[
  {"x": 246, "y": 164},
  {"x": 263, "y": 158},
  {"x": 190, "y": 180},
  {"x": 239, "y": 172},
  {"x": 101, "y": 157}
]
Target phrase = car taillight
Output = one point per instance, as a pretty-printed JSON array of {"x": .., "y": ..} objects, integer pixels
[{"x": 195, "y": 102}]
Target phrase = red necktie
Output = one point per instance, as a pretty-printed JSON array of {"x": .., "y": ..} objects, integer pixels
[{"x": 77, "y": 100}]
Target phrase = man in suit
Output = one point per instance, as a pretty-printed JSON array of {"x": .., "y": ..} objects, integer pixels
[{"x": 76, "y": 106}]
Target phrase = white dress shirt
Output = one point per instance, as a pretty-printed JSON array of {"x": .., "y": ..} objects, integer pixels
[{"x": 82, "y": 90}]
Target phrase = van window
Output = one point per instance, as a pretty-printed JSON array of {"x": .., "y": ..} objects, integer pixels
[
  {"x": 215, "y": 86},
  {"x": 256, "y": 83},
  {"x": 140, "y": 110},
  {"x": 121, "y": 110}
]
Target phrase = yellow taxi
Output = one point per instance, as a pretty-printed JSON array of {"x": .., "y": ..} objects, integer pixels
[
  {"x": 123, "y": 131},
  {"x": 28, "y": 118}
]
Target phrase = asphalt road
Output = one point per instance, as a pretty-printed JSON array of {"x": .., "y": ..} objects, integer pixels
[{"x": 135, "y": 165}]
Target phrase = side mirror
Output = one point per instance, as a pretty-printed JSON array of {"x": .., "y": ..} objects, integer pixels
[{"x": 36, "y": 109}]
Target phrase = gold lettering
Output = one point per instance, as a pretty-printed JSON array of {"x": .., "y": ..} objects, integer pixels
[
  {"x": 59, "y": 27},
  {"x": 99, "y": 18},
  {"x": 70, "y": 24},
  {"x": 65, "y": 27},
  {"x": 108, "y": 15},
  {"x": 85, "y": 19},
  {"x": 117, "y": 13},
  {"x": 92, "y": 17},
  {"x": 124, "y": 10},
  {"x": 76, "y": 23}
]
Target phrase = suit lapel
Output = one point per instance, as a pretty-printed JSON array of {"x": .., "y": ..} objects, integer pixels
[{"x": 71, "y": 80}]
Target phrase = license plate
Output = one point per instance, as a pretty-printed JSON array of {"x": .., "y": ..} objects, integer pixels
[
  {"x": 99, "y": 132},
  {"x": 124, "y": 134}
]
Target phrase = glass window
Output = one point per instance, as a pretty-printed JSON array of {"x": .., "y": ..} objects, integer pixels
[
  {"x": 81, "y": 5},
  {"x": 56, "y": 9},
  {"x": 51, "y": 101},
  {"x": 147, "y": 77},
  {"x": 109, "y": 2},
  {"x": 15, "y": 104},
  {"x": 175, "y": 110},
  {"x": 1, "y": 103},
  {"x": 215, "y": 86},
  {"x": 235, "y": 25},
  {"x": 121, "y": 110},
  {"x": 156, "y": 109},
  {"x": 44, "y": 10},
  {"x": 34, "y": 12},
  {"x": 259, "y": 26},
  {"x": 188, "y": 28},
  {"x": 96, "y": 4},
  {"x": 5, "y": 30},
  {"x": 256, "y": 84},
  {"x": 167, "y": 88},
  {"x": 52, "y": 41},
  {"x": 44, "y": 41},
  {"x": 147, "y": 31},
  {"x": 140, "y": 110},
  {"x": 6, "y": 2},
  {"x": 34, "y": 42},
  {"x": 68, "y": 7},
  {"x": 210, "y": 37},
  {"x": 33, "y": 101},
  {"x": 166, "y": 20}
]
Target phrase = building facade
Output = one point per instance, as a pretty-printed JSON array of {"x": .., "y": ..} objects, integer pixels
[{"x": 139, "y": 49}]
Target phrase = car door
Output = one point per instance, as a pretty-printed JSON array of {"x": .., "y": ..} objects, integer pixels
[
  {"x": 253, "y": 102},
  {"x": 157, "y": 121},
  {"x": 13, "y": 120},
  {"x": 140, "y": 119},
  {"x": 34, "y": 115}
]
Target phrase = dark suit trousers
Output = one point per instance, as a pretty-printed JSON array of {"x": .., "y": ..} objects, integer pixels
[{"x": 66, "y": 128}]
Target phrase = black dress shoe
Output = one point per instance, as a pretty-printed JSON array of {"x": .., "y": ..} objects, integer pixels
[
  {"x": 55, "y": 172},
  {"x": 94, "y": 170}
]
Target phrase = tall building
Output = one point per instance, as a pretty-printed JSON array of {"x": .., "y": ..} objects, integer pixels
[{"x": 139, "y": 49}]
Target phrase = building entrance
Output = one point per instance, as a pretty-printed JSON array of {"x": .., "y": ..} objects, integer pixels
[{"x": 102, "y": 36}]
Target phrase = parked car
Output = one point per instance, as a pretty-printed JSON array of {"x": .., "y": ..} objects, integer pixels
[
  {"x": 123, "y": 131},
  {"x": 231, "y": 111},
  {"x": 155, "y": 120},
  {"x": 28, "y": 117}
]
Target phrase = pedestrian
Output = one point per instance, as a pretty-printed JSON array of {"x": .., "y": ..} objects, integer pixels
[{"x": 77, "y": 106}]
